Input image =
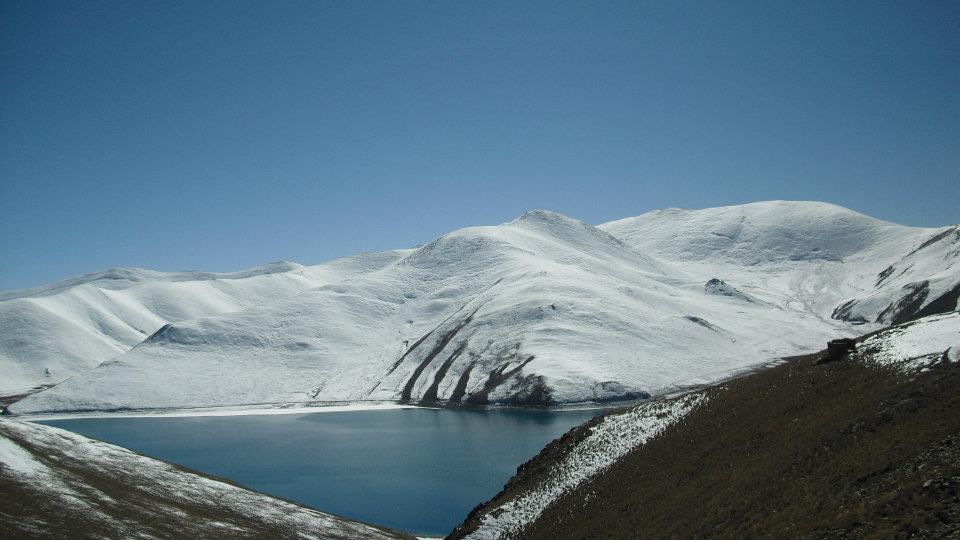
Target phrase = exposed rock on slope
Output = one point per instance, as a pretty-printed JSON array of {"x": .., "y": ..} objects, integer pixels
[
  {"x": 935, "y": 260},
  {"x": 868, "y": 446},
  {"x": 57, "y": 483},
  {"x": 717, "y": 286},
  {"x": 542, "y": 310}
]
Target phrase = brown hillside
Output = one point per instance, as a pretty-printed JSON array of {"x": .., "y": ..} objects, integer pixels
[{"x": 807, "y": 450}]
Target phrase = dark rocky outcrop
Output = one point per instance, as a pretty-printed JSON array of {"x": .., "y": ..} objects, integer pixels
[
  {"x": 842, "y": 313},
  {"x": 442, "y": 342},
  {"x": 431, "y": 394},
  {"x": 495, "y": 378},
  {"x": 882, "y": 276},
  {"x": 702, "y": 322},
  {"x": 837, "y": 349},
  {"x": 945, "y": 303},
  {"x": 721, "y": 288},
  {"x": 937, "y": 237},
  {"x": 907, "y": 306}
]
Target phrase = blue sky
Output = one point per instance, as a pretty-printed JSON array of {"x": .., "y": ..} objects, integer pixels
[{"x": 223, "y": 135}]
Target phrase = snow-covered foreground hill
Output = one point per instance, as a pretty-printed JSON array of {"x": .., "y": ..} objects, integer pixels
[
  {"x": 541, "y": 310},
  {"x": 62, "y": 485}
]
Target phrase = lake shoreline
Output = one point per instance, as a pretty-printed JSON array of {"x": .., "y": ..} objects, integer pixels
[
  {"x": 341, "y": 406},
  {"x": 227, "y": 411},
  {"x": 407, "y": 468}
]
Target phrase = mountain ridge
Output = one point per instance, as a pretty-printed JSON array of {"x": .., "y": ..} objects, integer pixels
[{"x": 544, "y": 309}]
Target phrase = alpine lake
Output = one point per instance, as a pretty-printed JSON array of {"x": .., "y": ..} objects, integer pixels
[{"x": 418, "y": 470}]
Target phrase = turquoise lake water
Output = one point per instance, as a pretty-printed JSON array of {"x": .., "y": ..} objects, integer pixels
[{"x": 417, "y": 470}]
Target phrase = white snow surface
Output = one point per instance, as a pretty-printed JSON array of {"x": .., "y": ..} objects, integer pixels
[
  {"x": 609, "y": 440},
  {"x": 59, "y": 463},
  {"x": 914, "y": 346},
  {"x": 541, "y": 308},
  {"x": 17, "y": 460},
  {"x": 50, "y": 333},
  {"x": 807, "y": 256}
]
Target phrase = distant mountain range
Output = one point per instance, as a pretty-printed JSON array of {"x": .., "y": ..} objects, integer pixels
[{"x": 542, "y": 310}]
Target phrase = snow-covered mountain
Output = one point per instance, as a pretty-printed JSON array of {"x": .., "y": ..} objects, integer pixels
[
  {"x": 815, "y": 257},
  {"x": 540, "y": 310},
  {"x": 50, "y": 333}
]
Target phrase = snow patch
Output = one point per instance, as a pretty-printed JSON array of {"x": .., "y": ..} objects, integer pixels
[
  {"x": 19, "y": 461},
  {"x": 915, "y": 346}
]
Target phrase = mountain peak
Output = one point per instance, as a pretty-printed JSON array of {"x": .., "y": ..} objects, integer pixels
[
  {"x": 756, "y": 233},
  {"x": 541, "y": 216}
]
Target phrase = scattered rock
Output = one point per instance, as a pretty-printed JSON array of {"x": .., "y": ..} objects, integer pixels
[
  {"x": 837, "y": 349},
  {"x": 719, "y": 287}
]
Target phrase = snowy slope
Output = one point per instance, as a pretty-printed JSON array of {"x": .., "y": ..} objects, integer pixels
[
  {"x": 60, "y": 484},
  {"x": 818, "y": 257},
  {"x": 540, "y": 310},
  {"x": 914, "y": 346},
  {"x": 53, "y": 332}
]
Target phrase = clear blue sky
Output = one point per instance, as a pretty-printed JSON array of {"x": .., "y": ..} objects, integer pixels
[{"x": 223, "y": 135}]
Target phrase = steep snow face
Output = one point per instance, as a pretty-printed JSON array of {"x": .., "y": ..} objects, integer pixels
[
  {"x": 542, "y": 310},
  {"x": 924, "y": 281},
  {"x": 57, "y": 331},
  {"x": 817, "y": 257},
  {"x": 916, "y": 345}
]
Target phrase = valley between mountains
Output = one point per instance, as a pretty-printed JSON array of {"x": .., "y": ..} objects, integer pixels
[{"x": 543, "y": 310}]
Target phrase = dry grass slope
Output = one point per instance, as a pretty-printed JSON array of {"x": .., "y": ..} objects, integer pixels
[{"x": 800, "y": 450}]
